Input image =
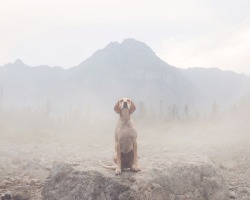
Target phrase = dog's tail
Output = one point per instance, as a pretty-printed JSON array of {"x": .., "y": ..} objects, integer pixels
[{"x": 107, "y": 166}]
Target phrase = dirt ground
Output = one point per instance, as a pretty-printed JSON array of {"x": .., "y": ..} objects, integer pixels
[{"x": 25, "y": 166}]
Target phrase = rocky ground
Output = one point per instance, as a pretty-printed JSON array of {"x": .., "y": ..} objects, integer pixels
[{"x": 24, "y": 167}]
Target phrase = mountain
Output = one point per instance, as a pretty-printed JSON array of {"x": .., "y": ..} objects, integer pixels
[
  {"x": 25, "y": 86},
  {"x": 130, "y": 68},
  {"x": 214, "y": 85}
]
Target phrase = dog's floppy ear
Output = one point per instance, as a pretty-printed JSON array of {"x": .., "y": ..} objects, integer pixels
[
  {"x": 117, "y": 108},
  {"x": 132, "y": 108}
]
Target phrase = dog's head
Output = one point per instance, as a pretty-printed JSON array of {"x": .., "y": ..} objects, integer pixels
[{"x": 124, "y": 103}]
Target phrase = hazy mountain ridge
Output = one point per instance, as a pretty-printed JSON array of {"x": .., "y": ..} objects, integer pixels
[
  {"x": 23, "y": 85},
  {"x": 130, "y": 68},
  {"x": 224, "y": 87}
]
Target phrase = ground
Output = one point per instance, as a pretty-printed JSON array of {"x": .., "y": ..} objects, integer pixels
[{"x": 26, "y": 165}]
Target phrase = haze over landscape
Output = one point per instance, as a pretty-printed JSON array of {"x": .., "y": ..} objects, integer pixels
[
  {"x": 89, "y": 90},
  {"x": 66, "y": 115},
  {"x": 63, "y": 67}
]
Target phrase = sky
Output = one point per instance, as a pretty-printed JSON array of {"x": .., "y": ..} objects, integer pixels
[{"x": 184, "y": 33}]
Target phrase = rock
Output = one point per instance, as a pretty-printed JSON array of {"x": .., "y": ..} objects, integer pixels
[
  {"x": 32, "y": 165},
  {"x": 33, "y": 182},
  {"x": 21, "y": 193},
  {"x": 229, "y": 165},
  {"x": 177, "y": 176},
  {"x": 244, "y": 198},
  {"x": 232, "y": 183},
  {"x": 233, "y": 195},
  {"x": 246, "y": 190},
  {"x": 6, "y": 196},
  {"x": 6, "y": 183},
  {"x": 16, "y": 161},
  {"x": 2, "y": 196},
  {"x": 2, "y": 185},
  {"x": 231, "y": 187}
]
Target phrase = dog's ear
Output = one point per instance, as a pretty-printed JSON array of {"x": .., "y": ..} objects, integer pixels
[
  {"x": 117, "y": 108},
  {"x": 132, "y": 108}
]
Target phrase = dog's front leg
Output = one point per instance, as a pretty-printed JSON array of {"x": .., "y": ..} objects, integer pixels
[
  {"x": 118, "y": 154},
  {"x": 135, "y": 166}
]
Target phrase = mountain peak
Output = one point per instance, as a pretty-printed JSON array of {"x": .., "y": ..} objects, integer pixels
[
  {"x": 128, "y": 51},
  {"x": 128, "y": 54},
  {"x": 18, "y": 62},
  {"x": 131, "y": 41},
  {"x": 130, "y": 45}
]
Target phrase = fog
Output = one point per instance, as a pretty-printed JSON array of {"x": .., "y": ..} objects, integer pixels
[
  {"x": 31, "y": 140},
  {"x": 171, "y": 126},
  {"x": 50, "y": 115}
]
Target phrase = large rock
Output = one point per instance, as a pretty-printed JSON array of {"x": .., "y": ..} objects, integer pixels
[{"x": 174, "y": 177}]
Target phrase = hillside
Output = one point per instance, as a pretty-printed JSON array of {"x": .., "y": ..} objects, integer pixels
[
  {"x": 130, "y": 68},
  {"x": 214, "y": 85}
]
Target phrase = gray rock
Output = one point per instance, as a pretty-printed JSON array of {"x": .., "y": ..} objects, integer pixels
[
  {"x": 33, "y": 182},
  {"x": 21, "y": 193},
  {"x": 245, "y": 198},
  {"x": 6, "y": 182},
  {"x": 32, "y": 165},
  {"x": 6, "y": 196},
  {"x": 233, "y": 195},
  {"x": 246, "y": 190},
  {"x": 173, "y": 177},
  {"x": 16, "y": 161}
]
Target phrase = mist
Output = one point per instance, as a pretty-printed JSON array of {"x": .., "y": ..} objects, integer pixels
[
  {"x": 58, "y": 114},
  {"x": 170, "y": 126}
]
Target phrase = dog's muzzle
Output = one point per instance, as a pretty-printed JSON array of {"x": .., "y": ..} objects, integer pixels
[{"x": 125, "y": 105}]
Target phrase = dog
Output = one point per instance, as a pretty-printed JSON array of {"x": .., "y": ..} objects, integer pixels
[{"x": 125, "y": 139}]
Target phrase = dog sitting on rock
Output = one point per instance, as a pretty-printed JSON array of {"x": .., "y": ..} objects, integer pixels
[{"x": 125, "y": 139}]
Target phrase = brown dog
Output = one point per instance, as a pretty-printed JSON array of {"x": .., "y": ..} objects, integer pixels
[{"x": 125, "y": 138}]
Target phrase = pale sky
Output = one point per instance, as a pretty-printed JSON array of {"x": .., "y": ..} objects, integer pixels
[{"x": 184, "y": 33}]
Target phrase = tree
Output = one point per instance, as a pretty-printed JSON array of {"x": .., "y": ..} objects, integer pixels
[
  {"x": 186, "y": 112},
  {"x": 142, "y": 111},
  {"x": 161, "y": 109},
  {"x": 173, "y": 112},
  {"x": 214, "y": 110},
  {"x": 1, "y": 100}
]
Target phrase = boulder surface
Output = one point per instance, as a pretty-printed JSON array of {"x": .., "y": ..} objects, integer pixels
[{"x": 173, "y": 177}]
